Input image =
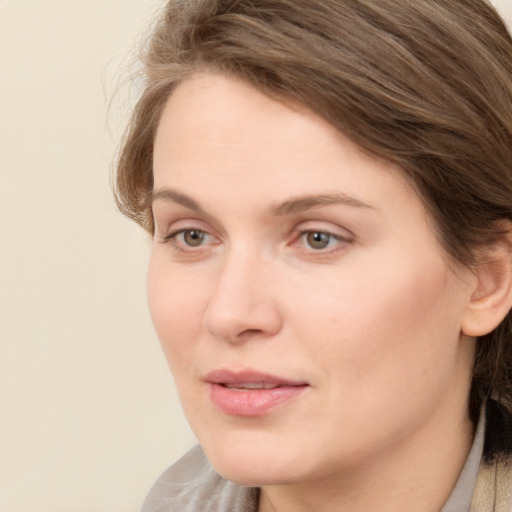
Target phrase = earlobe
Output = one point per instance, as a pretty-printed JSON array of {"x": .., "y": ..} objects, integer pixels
[{"x": 491, "y": 298}]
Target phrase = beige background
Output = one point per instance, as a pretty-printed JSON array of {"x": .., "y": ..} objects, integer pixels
[{"x": 89, "y": 416}]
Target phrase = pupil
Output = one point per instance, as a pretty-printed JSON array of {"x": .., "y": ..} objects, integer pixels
[{"x": 318, "y": 240}]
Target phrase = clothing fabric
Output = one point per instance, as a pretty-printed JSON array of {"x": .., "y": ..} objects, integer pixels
[{"x": 192, "y": 485}]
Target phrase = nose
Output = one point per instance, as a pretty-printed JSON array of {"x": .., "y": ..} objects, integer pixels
[{"x": 243, "y": 304}]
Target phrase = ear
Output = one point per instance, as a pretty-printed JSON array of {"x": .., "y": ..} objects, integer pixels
[{"x": 491, "y": 297}]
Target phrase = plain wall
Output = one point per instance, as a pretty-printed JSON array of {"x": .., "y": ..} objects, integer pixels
[{"x": 89, "y": 415}]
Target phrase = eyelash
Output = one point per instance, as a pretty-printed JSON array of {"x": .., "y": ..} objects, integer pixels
[{"x": 184, "y": 247}]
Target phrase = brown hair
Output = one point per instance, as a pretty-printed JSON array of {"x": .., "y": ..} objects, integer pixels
[{"x": 426, "y": 85}]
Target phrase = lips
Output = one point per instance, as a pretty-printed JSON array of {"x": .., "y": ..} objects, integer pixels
[{"x": 250, "y": 393}]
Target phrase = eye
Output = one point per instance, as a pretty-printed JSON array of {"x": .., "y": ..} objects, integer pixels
[
  {"x": 317, "y": 239},
  {"x": 193, "y": 237},
  {"x": 320, "y": 240},
  {"x": 184, "y": 239}
]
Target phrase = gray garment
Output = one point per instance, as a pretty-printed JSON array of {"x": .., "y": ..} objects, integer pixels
[
  {"x": 192, "y": 485},
  {"x": 462, "y": 495}
]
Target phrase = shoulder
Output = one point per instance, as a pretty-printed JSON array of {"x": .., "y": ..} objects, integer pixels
[{"x": 192, "y": 485}]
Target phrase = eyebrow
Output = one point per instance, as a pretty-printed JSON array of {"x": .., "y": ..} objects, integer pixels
[
  {"x": 167, "y": 194},
  {"x": 289, "y": 207},
  {"x": 308, "y": 202}
]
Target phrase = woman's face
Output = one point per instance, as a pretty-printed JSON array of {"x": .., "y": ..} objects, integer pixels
[{"x": 306, "y": 309}]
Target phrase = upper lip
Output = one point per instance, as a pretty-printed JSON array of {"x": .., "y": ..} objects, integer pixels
[{"x": 224, "y": 376}]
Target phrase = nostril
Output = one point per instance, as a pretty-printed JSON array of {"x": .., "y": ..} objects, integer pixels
[{"x": 251, "y": 332}]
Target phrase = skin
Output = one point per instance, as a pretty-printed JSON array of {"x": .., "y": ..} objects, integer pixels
[{"x": 371, "y": 322}]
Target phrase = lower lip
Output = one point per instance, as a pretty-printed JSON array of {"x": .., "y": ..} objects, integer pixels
[{"x": 251, "y": 402}]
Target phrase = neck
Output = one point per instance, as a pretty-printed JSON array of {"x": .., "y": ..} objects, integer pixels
[{"x": 418, "y": 474}]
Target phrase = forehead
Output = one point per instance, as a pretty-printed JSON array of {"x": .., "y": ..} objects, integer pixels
[
  {"x": 228, "y": 115},
  {"x": 218, "y": 131}
]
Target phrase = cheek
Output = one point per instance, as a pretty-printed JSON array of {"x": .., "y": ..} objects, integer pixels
[
  {"x": 176, "y": 305},
  {"x": 384, "y": 322},
  {"x": 383, "y": 346}
]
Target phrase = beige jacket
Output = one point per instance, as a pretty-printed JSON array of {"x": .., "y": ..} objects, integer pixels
[{"x": 493, "y": 490}]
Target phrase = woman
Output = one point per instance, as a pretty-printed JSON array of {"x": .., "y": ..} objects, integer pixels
[{"x": 329, "y": 190}]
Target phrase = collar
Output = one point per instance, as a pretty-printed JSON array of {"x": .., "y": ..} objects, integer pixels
[{"x": 461, "y": 496}]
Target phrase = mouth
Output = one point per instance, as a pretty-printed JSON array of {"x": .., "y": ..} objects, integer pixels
[
  {"x": 244, "y": 386},
  {"x": 251, "y": 393}
]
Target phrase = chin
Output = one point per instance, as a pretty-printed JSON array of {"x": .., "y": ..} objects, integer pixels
[{"x": 254, "y": 463}]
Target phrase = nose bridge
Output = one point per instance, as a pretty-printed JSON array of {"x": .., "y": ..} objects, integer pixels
[{"x": 242, "y": 304}]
